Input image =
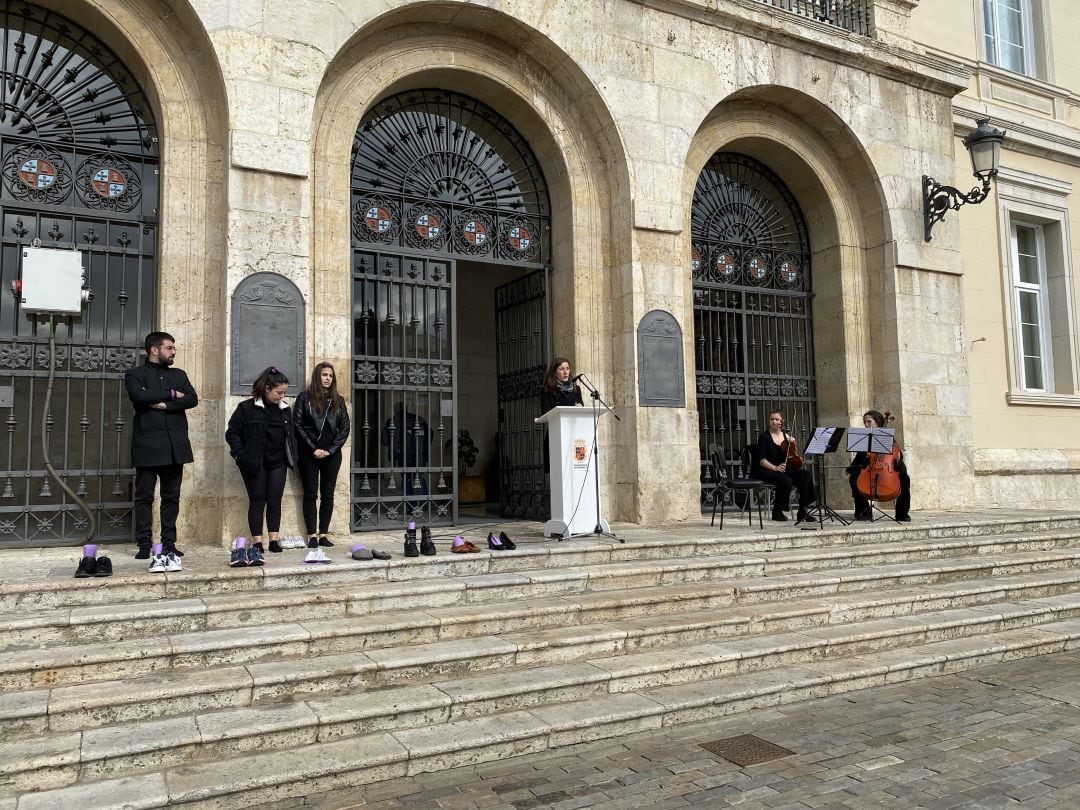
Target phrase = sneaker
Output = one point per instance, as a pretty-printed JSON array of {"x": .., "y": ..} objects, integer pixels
[
  {"x": 314, "y": 555},
  {"x": 293, "y": 542},
  {"x": 275, "y": 547},
  {"x": 104, "y": 567},
  {"x": 157, "y": 564},
  {"x": 324, "y": 541},
  {"x": 238, "y": 558},
  {"x": 320, "y": 556},
  {"x": 144, "y": 552},
  {"x": 87, "y": 568},
  {"x": 427, "y": 545},
  {"x": 255, "y": 555},
  {"x": 172, "y": 563}
]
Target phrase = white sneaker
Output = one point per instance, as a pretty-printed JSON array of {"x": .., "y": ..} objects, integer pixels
[
  {"x": 172, "y": 563},
  {"x": 322, "y": 558},
  {"x": 157, "y": 564},
  {"x": 297, "y": 542},
  {"x": 313, "y": 555}
]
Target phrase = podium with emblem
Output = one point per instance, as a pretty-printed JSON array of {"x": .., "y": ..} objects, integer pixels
[{"x": 575, "y": 507}]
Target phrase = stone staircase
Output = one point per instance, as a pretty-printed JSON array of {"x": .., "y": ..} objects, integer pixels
[{"x": 249, "y": 687}]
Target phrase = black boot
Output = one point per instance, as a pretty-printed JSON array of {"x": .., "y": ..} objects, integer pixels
[
  {"x": 427, "y": 545},
  {"x": 410, "y": 543}
]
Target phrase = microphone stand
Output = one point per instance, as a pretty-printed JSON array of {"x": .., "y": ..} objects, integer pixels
[{"x": 597, "y": 401}]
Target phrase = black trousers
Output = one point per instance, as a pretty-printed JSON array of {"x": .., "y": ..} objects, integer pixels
[
  {"x": 264, "y": 489},
  {"x": 319, "y": 476},
  {"x": 784, "y": 482},
  {"x": 903, "y": 500},
  {"x": 146, "y": 479}
]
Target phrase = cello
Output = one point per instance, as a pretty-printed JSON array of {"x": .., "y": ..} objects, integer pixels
[{"x": 879, "y": 480}]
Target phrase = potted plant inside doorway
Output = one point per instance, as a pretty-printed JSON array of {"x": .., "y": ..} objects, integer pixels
[{"x": 471, "y": 488}]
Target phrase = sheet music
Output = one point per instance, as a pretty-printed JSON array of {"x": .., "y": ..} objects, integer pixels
[{"x": 819, "y": 442}]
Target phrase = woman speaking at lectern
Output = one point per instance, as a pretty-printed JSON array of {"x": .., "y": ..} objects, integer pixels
[{"x": 557, "y": 390}]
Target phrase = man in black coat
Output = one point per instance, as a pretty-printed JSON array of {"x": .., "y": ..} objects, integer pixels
[{"x": 159, "y": 443}]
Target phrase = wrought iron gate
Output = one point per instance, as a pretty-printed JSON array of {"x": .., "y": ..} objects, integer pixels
[
  {"x": 522, "y": 329},
  {"x": 78, "y": 157},
  {"x": 752, "y": 323},
  {"x": 436, "y": 176},
  {"x": 403, "y": 390}
]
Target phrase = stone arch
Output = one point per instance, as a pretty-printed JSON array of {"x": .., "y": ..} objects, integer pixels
[
  {"x": 835, "y": 183},
  {"x": 164, "y": 46},
  {"x": 523, "y": 76}
]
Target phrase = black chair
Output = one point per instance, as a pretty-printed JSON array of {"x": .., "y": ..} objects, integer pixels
[{"x": 726, "y": 484}]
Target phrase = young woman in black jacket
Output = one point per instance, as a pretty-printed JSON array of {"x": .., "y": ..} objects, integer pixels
[
  {"x": 261, "y": 441},
  {"x": 322, "y": 426}
]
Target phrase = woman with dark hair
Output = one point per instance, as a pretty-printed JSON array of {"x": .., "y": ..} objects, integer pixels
[
  {"x": 876, "y": 419},
  {"x": 558, "y": 389},
  {"x": 322, "y": 426},
  {"x": 772, "y": 457},
  {"x": 261, "y": 441}
]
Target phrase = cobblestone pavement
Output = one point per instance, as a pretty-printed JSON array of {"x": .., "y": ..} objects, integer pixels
[{"x": 1006, "y": 735}]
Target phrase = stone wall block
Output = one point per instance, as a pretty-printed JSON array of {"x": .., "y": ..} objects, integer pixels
[{"x": 270, "y": 153}]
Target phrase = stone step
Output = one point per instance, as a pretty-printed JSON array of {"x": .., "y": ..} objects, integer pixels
[
  {"x": 61, "y": 664},
  {"x": 107, "y": 623},
  {"x": 556, "y": 665},
  {"x": 259, "y": 778},
  {"x": 57, "y": 589}
]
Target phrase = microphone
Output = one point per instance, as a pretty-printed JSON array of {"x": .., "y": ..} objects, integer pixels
[{"x": 577, "y": 377}]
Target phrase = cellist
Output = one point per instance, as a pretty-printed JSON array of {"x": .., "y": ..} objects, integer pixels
[{"x": 876, "y": 419}]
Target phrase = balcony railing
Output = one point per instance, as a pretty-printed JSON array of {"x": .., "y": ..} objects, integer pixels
[{"x": 851, "y": 15}]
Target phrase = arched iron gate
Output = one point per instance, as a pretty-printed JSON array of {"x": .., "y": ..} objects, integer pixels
[
  {"x": 437, "y": 177},
  {"x": 752, "y": 325},
  {"x": 78, "y": 157}
]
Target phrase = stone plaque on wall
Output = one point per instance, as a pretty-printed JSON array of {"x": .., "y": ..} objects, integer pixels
[
  {"x": 660, "y": 361},
  {"x": 267, "y": 330}
]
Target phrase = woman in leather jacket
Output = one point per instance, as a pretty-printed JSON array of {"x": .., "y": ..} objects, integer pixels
[
  {"x": 261, "y": 441},
  {"x": 322, "y": 426}
]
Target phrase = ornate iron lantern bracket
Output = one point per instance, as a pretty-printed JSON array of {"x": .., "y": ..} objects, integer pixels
[{"x": 937, "y": 199}]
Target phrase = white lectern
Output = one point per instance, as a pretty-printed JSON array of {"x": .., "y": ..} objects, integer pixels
[{"x": 574, "y": 500}]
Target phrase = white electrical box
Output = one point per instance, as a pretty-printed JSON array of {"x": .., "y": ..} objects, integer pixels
[{"x": 52, "y": 281}]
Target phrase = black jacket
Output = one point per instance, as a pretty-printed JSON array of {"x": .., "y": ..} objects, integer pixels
[
  {"x": 159, "y": 437},
  {"x": 549, "y": 400},
  {"x": 246, "y": 435},
  {"x": 309, "y": 424}
]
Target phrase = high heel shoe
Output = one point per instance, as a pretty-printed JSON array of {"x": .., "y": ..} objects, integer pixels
[
  {"x": 507, "y": 542},
  {"x": 495, "y": 544}
]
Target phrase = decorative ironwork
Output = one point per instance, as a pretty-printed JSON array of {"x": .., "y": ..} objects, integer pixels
[
  {"x": 439, "y": 172},
  {"x": 403, "y": 355},
  {"x": 752, "y": 324},
  {"x": 521, "y": 330},
  {"x": 856, "y": 16},
  {"x": 79, "y": 166}
]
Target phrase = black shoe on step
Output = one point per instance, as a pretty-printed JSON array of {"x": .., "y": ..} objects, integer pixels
[
  {"x": 903, "y": 518},
  {"x": 780, "y": 517},
  {"x": 104, "y": 567},
  {"x": 87, "y": 568},
  {"x": 427, "y": 545},
  {"x": 410, "y": 543},
  {"x": 174, "y": 550},
  {"x": 324, "y": 541},
  {"x": 275, "y": 547},
  {"x": 506, "y": 541},
  {"x": 144, "y": 552}
]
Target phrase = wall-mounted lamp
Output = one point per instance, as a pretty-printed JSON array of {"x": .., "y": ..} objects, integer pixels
[{"x": 984, "y": 145}]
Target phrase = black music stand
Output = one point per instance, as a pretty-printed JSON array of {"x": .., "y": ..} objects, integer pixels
[
  {"x": 824, "y": 440},
  {"x": 872, "y": 440}
]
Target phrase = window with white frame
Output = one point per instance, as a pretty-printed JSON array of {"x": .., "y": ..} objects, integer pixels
[
  {"x": 1031, "y": 304},
  {"x": 1008, "y": 30}
]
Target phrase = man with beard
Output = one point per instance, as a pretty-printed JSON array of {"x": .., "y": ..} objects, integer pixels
[{"x": 160, "y": 448}]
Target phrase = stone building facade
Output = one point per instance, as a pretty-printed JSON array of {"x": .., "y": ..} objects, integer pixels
[{"x": 751, "y": 168}]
